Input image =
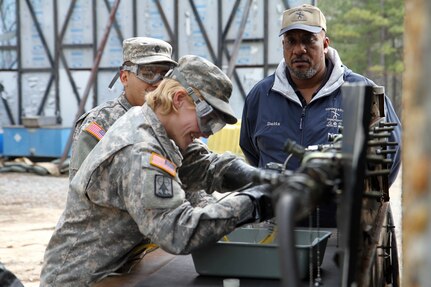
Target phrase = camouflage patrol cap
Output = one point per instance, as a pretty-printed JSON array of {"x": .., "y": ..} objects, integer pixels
[
  {"x": 212, "y": 83},
  {"x": 145, "y": 50}
]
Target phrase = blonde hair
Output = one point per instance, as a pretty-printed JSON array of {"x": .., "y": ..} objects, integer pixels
[{"x": 161, "y": 98}]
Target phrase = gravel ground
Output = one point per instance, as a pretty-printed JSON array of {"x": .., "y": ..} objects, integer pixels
[{"x": 30, "y": 206}]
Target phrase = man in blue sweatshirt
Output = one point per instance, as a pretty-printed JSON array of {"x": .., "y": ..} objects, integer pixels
[{"x": 302, "y": 100}]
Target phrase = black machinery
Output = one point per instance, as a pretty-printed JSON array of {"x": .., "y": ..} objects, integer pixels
[{"x": 353, "y": 172}]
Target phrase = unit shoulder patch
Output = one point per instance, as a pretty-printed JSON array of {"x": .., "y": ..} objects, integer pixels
[
  {"x": 163, "y": 186},
  {"x": 163, "y": 163},
  {"x": 95, "y": 130}
]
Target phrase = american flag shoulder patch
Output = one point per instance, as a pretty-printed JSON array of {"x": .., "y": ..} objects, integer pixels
[
  {"x": 162, "y": 163},
  {"x": 97, "y": 131}
]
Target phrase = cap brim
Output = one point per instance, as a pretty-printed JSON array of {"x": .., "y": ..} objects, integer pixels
[
  {"x": 155, "y": 59},
  {"x": 221, "y": 106},
  {"x": 312, "y": 29}
]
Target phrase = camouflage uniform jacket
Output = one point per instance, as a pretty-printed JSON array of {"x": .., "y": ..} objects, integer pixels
[
  {"x": 103, "y": 117},
  {"x": 125, "y": 193},
  {"x": 197, "y": 155}
]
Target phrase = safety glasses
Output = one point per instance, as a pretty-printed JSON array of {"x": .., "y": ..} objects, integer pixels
[
  {"x": 150, "y": 74},
  {"x": 209, "y": 120}
]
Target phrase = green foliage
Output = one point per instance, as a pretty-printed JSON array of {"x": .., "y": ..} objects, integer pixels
[{"x": 367, "y": 34}]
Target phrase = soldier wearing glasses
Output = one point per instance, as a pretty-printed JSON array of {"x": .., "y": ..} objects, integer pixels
[
  {"x": 128, "y": 194},
  {"x": 145, "y": 62}
]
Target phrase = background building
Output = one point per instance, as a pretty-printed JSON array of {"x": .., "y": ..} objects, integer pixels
[{"x": 48, "y": 47}]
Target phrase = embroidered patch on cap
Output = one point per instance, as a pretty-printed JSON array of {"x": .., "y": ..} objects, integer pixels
[
  {"x": 164, "y": 164},
  {"x": 97, "y": 131},
  {"x": 163, "y": 186}
]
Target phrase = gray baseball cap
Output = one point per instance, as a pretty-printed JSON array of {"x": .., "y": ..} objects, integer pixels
[
  {"x": 212, "y": 83},
  {"x": 145, "y": 50}
]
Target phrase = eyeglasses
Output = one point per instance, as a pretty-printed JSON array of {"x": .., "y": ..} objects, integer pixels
[
  {"x": 150, "y": 74},
  {"x": 209, "y": 120}
]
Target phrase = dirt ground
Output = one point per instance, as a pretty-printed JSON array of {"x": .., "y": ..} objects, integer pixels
[{"x": 30, "y": 206}]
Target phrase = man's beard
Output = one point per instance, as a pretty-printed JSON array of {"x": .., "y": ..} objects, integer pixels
[{"x": 301, "y": 74}]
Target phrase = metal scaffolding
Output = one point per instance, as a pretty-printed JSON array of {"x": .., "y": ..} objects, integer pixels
[{"x": 48, "y": 23}]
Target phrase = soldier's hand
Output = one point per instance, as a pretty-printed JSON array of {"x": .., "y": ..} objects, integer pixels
[
  {"x": 238, "y": 175},
  {"x": 262, "y": 200}
]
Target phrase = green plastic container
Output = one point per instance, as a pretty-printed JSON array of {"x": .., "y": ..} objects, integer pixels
[{"x": 242, "y": 254}]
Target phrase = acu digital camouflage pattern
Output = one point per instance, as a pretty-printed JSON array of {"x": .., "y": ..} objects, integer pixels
[
  {"x": 104, "y": 115},
  {"x": 144, "y": 50},
  {"x": 112, "y": 206},
  {"x": 193, "y": 172},
  {"x": 212, "y": 83}
]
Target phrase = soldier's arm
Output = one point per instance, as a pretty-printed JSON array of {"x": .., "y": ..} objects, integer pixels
[
  {"x": 82, "y": 147},
  {"x": 156, "y": 201},
  {"x": 86, "y": 137},
  {"x": 204, "y": 169}
]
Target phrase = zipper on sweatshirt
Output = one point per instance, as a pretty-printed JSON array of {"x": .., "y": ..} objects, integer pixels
[{"x": 302, "y": 118}]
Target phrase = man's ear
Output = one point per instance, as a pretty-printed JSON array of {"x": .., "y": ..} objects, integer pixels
[
  {"x": 325, "y": 44},
  {"x": 124, "y": 77}
]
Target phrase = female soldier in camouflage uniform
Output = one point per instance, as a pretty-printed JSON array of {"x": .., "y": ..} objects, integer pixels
[{"x": 127, "y": 192}]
